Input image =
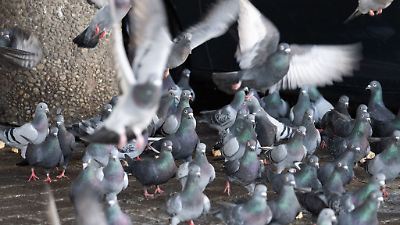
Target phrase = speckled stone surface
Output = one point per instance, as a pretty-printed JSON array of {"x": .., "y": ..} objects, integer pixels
[{"x": 78, "y": 80}]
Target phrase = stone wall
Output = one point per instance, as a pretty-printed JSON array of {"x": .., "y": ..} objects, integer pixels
[{"x": 78, "y": 80}]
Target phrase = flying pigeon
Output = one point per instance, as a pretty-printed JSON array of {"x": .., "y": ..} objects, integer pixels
[
  {"x": 371, "y": 7},
  {"x": 266, "y": 64},
  {"x": 318, "y": 103},
  {"x": 19, "y": 48}
]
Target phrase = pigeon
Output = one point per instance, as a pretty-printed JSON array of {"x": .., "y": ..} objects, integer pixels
[
  {"x": 297, "y": 112},
  {"x": 376, "y": 106},
  {"x": 285, "y": 155},
  {"x": 335, "y": 184},
  {"x": 357, "y": 197},
  {"x": 222, "y": 119},
  {"x": 338, "y": 121},
  {"x": 88, "y": 126},
  {"x": 388, "y": 161},
  {"x": 346, "y": 161},
  {"x": 207, "y": 170},
  {"x": 371, "y": 7},
  {"x": 312, "y": 140},
  {"x": 115, "y": 179},
  {"x": 132, "y": 149},
  {"x": 183, "y": 83},
  {"x": 386, "y": 128},
  {"x": 34, "y": 132},
  {"x": 98, "y": 152},
  {"x": 98, "y": 3},
  {"x": 254, "y": 211},
  {"x": 185, "y": 139},
  {"x": 244, "y": 170},
  {"x": 88, "y": 184},
  {"x": 326, "y": 217},
  {"x": 173, "y": 120},
  {"x": 19, "y": 48},
  {"x": 67, "y": 143},
  {"x": 141, "y": 83},
  {"x": 364, "y": 214},
  {"x": 150, "y": 171},
  {"x": 168, "y": 106},
  {"x": 318, "y": 103},
  {"x": 306, "y": 176},
  {"x": 287, "y": 66},
  {"x": 286, "y": 207},
  {"x": 47, "y": 155},
  {"x": 190, "y": 203},
  {"x": 215, "y": 23},
  {"x": 101, "y": 24},
  {"x": 275, "y": 106},
  {"x": 114, "y": 214}
]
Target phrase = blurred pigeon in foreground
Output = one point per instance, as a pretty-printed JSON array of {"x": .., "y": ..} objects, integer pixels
[
  {"x": 19, "y": 48},
  {"x": 140, "y": 84},
  {"x": 207, "y": 170},
  {"x": 150, "y": 171},
  {"x": 215, "y": 23},
  {"x": 372, "y": 7},
  {"x": 100, "y": 25},
  {"x": 67, "y": 143},
  {"x": 34, "y": 132},
  {"x": 98, "y": 152},
  {"x": 115, "y": 179},
  {"x": 98, "y": 3},
  {"x": 190, "y": 203},
  {"x": 47, "y": 155},
  {"x": 114, "y": 214},
  {"x": 326, "y": 217},
  {"x": 254, "y": 211},
  {"x": 266, "y": 64}
]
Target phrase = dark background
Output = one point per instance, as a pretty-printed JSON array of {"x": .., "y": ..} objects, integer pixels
[{"x": 301, "y": 21}]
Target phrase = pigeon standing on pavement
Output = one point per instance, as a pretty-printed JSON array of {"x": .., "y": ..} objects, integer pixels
[
  {"x": 67, "y": 143},
  {"x": 190, "y": 203},
  {"x": 47, "y": 155},
  {"x": 19, "y": 48},
  {"x": 312, "y": 140},
  {"x": 34, "y": 132}
]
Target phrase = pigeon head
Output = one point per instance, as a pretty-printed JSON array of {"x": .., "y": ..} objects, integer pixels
[
  {"x": 289, "y": 180},
  {"x": 42, "y": 107},
  {"x": 308, "y": 117},
  {"x": 188, "y": 113},
  {"x": 53, "y": 131},
  {"x": 396, "y": 135},
  {"x": 314, "y": 161},
  {"x": 60, "y": 120},
  {"x": 108, "y": 107},
  {"x": 344, "y": 100},
  {"x": 252, "y": 145},
  {"x": 252, "y": 103},
  {"x": 260, "y": 191},
  {"x": 186, "y": 95},
  {"x": 252, "y": 119},
  {"x": 366, "y": 117},
  {"x": 301, "y": 131},
  {"x": 201, "y": 149},
  {"x": 186, "y": 72},
  {"x": 145, "y": 95},
  {"x": 327, "y": 214},
  {"x": 277, "y": 156},
  {"x": 379, "y": 178},
  {"x": 284, "y": 47},
  {"x": 374, "y": 86},
  {"x": 167, "y": 146},
  {"x": 183, "y": 38},
  {"x": 194, "y": 170},
  {"x": 342, "y": 165}
]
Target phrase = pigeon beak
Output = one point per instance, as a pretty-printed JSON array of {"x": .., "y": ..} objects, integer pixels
[
  {"x": 317, "y": 165},
  {"x": 203, "y": 151},
  {"x": 346, "y": 167},
  {"x": 84, "y": 165},
  {"x": 112, "y": 202},
  {"x": 109, "y": 110},
  {"x": 264, "y": 194},
  {"x": 47, "y": 110},
  {"x": 380, "y": 199},
  {"x": 169, "y": 148},
  {"x": 368, "y": 87},
  {"x": 292, "y": 183},
  {"x": 190, "y": 115},
  {"x": 58, "y": 123},
  {"x": 382, "y": 183},
  {"x": 198, "y": 174},
  {"x": 346, "y": 104},
  {"x": 334, "y": 219}
]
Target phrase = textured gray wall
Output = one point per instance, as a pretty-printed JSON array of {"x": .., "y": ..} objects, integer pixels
[{"x": 78, "y": 80}]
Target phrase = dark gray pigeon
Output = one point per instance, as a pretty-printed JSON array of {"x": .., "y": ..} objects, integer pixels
[
  {"x": 99, "y": 153},
  {"x": 19, "y": 48},
  {"x": 297, "y": 112},
  {"x": 286, "y": 155},
  {"x": 245, "y": 170},
  {"x": 286, "y": 207},
  {"x": 154, "y": 171},
  {"x": 67, "y": 143},
  {"x": 386, "y": 128},
  {"x": 334, "y": 184},
  {"x": 223, "y": 118},
  {"x": 88, "y": 126},
  {"x": 47, "y": 155},
  {"x": 100, "y": 25},
  {"x": 200, "y": 159},
  {"x": 172, "y": 121},
  {"x": 287, "y": 66},
  {"x": 388, "y": 161},
  {"x": 318, "y": 103},
  {"x": 367, "y": 213},
  {"x": 275, "y": 106},
  {"x": 214, "y": 24},
  {"x": 184, "y": 84},
  {"x": 254, "y": 211},
  {"x": 168, "y": 105},
  {"x": 185, "y": 139},
  {"x": 190, "y": 203},
  {"x": 371, "y": 7},
  {"x": 34, "y": 132},
  {"x": 312, "y": 140},
  {"x": 346, "y": 160},
  {"x": 307, "y": 176},
  {"x": 338, "y": 121},
  {"x": 326, "y": 217},
  {"x": 114, "y": 214},
  {"x": 376, "y": 106},
  {"x": 115, "y": 179}
]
